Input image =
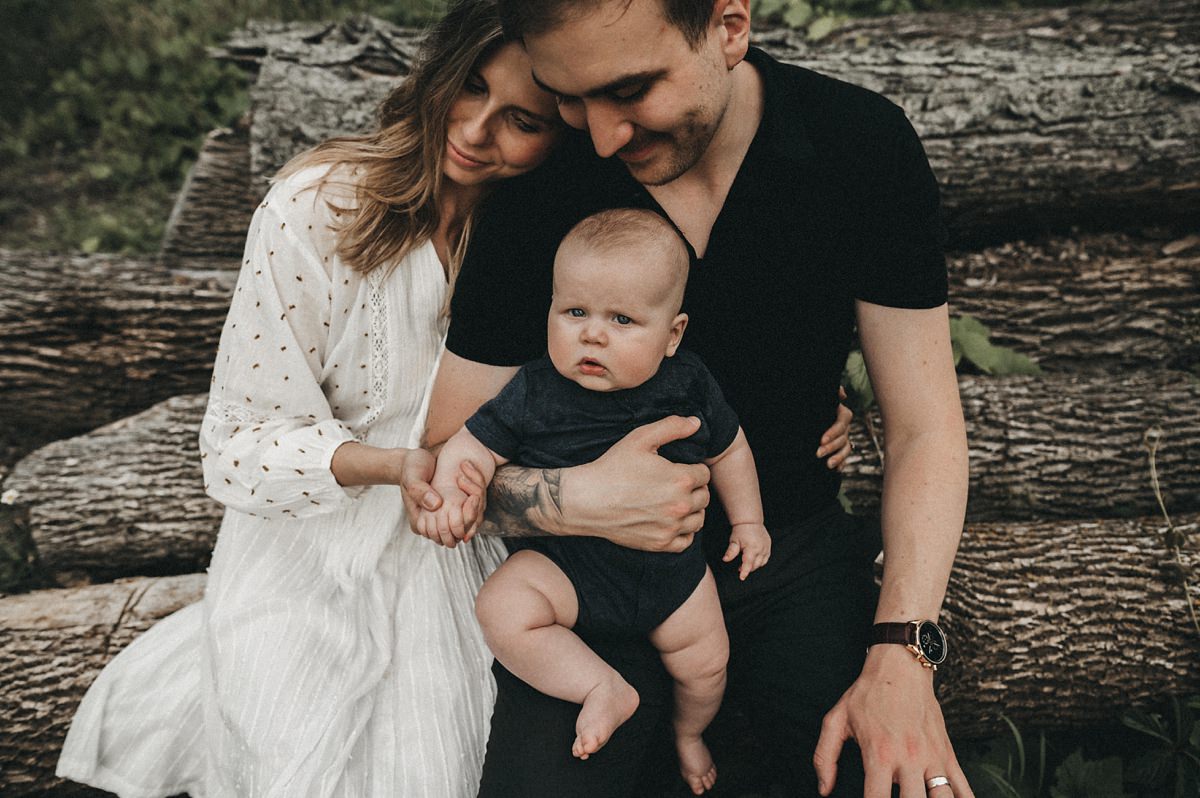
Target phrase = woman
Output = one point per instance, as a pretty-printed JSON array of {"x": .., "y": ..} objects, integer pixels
[{"x": 332, "y": 655}]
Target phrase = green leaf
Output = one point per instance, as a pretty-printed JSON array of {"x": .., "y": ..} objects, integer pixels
[
  {"x": 798, "y": 15},
  {"x": 99, "y": 171},
  {"x": 858, "y": 382},
  {"x": 90, "y": 244},
  {"x": 820, "y": 28},
  {"x": 1150, "y": 725},
  {"x": 1080, "y": 778},
  {"x": 1000, "y": 780}
]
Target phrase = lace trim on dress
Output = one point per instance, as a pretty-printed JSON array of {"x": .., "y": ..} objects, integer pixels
[
  {"x": 379, "y": 343},
  {"x": 235, "y": 413}
]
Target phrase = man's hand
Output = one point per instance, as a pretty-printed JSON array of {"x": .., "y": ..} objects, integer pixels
[
  {"x": 892, "y": 714},
  {"x": 635, "y": 498}
]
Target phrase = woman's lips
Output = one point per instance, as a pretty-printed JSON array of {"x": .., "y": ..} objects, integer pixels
[{"x": 461, "y": 158}]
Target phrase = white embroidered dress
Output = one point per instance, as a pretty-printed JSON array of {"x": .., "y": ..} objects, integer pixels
[{"x": 335, "y": 653}]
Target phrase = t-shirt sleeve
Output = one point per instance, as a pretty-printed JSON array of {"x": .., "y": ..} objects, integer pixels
[
  {"x": 905, "y": 259},
  {"x": 501, "y": 296},
  {"x": 722, "y": 420},
  {"x": 498, "y": 424}
]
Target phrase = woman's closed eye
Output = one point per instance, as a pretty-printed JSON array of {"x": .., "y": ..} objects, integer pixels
[
  {"x": 524, "y": 124},
  {"x": 475, "y": 85}
]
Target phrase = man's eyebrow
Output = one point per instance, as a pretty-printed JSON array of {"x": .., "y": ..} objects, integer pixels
[{"x": 623, "y": 82}]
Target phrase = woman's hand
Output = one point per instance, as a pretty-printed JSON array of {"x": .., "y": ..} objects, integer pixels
[
  {"x": 415, "y": 475},
  {"x": 836, "y": 439}
]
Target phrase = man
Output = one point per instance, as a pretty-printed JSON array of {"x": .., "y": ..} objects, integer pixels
[{"x": 810, "y": 207}]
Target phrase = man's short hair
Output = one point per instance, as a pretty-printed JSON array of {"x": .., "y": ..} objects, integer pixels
[{"x": 532, "y": 17}]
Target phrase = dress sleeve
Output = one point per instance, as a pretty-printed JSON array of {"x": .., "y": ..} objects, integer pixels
[
  {"x": 906, "y": 263},
  {"x": 268, "y": 434}
]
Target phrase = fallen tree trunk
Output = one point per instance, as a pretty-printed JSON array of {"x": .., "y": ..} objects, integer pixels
[
  {"x": 1102, "y": 303},
  {"x": 128, "y": 498},
  {"x": 1065, "y": 446},
  {"x": 124, "y": 500},
  {"x": 52, "y": 645},
  {"x": 213, "y": 209},
  {"x": 87, "y": 340},
  {"x": 90, "y": 339},
  {"x": 1054, "y": 625},
  {"x": 1067, "y": 623},
  {"x": 1032, "y": 120}
]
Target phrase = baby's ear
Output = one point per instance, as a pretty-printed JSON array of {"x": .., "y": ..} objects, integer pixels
[{"x": 678, "y": 325}]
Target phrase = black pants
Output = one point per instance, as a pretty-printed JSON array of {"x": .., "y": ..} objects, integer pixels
[{"x": 798, "y": 634}]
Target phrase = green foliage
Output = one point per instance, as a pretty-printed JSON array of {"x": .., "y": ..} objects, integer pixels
[
  {"x": 1158, "y": 757},
  {"x": 108, "y": 104},
  {"x": 1171, "y": 767}
]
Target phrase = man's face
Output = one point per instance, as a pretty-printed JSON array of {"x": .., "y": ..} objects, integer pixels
[{"x": 633, "y": 81}]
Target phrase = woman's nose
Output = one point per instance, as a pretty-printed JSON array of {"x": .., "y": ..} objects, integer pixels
[{"x": 476, "y": 128}]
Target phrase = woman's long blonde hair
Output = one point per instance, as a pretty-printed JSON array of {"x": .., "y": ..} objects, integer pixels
[{"x": 400, "y": 164}]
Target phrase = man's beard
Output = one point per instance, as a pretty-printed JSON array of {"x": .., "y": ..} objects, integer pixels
[{"x": 683, "y": 149}]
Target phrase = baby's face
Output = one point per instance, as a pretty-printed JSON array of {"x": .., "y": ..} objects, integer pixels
[{"x": 612, "y": 320}]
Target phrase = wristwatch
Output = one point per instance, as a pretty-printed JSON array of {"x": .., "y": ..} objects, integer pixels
[{"x": 925, "y": 639}]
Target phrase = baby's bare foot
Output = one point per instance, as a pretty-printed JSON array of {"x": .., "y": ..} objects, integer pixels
[
  {"x": 696, "y": 764},
  {"x": 607, "y": 706}
]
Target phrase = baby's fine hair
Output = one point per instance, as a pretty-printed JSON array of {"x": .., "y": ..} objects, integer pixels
[{"x": 625, "y": 230}]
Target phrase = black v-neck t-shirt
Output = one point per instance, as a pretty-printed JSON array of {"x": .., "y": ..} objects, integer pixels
[{"x": 834, "y": 202}]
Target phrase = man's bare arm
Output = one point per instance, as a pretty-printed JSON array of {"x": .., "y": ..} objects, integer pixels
[
  {"x": 524, "y": 502},
  {"x": 630, "y": 496}
]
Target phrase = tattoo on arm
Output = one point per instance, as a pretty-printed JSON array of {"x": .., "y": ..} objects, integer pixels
[{"x": 524, "y": 502}]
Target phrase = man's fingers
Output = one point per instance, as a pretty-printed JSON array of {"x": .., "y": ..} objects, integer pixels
[
  {"x": 663, "y": 431},
  {"x": 829, "y": 748},
  {"x": 470, "y": 475},
  {"x": 912, "y": 785},
  {"x": 679, "y": 543}
]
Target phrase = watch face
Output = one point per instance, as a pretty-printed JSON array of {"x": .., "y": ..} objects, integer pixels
[{"x": 932, "y": 642}]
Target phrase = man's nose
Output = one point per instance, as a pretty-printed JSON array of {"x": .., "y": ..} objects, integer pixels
[{"x": 609, "y": 129}]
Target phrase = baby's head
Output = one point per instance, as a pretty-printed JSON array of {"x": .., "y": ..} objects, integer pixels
[{"x": 619, "y": 277}]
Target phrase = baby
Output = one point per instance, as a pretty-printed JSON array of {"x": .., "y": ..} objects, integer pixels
[{"x": 613, "y": 337}]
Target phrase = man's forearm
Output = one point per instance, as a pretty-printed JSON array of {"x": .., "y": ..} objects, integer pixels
[
  {"x": 924, "y": 500},
  {"x": 524, "y": 502}
]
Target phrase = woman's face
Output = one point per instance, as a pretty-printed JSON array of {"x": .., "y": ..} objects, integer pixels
[{"x": 501, "y": 124}]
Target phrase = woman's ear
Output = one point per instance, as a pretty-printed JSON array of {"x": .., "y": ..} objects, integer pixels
[{"x": 677, "y": 328}]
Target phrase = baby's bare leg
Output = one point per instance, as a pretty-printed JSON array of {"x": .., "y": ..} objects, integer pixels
[
  {"x": 695, "y": 649},
  {"x": 527, "y": 608}
]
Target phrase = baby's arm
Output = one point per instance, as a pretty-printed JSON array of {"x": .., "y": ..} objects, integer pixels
[
  {"x": 736, "y": 482},
  {"x": 458, "y": 516}
]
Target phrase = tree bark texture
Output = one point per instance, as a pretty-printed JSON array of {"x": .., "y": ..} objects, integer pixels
[
  {"x": 1065, "y": 446},
  {"x": 1032, "y": 120},
  {"x": 52, "y": 645},
  {"x": 213, "y": 209},
  {"x": 1063, "y": 624},
  {"x": 128, "y": 499},
  {"x": 1053, "y": 624},
  {"x": 86, "y": 340},
  {"x": 1103, "y": 303}
]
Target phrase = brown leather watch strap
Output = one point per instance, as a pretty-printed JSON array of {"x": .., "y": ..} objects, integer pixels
[{"x": 896, "y": 632}]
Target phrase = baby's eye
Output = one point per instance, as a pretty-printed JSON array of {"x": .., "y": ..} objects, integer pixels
[
  {"x": 576, "y": 312},
  {"x": 620, "y": 318}
]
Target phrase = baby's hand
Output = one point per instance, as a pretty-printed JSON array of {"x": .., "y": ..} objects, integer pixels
[
  {"x": 753, "y": 543},
  {"x": 450, "y": 523}
]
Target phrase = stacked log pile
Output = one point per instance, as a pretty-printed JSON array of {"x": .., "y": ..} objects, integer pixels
[{"x": 1065, "y": 144}]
